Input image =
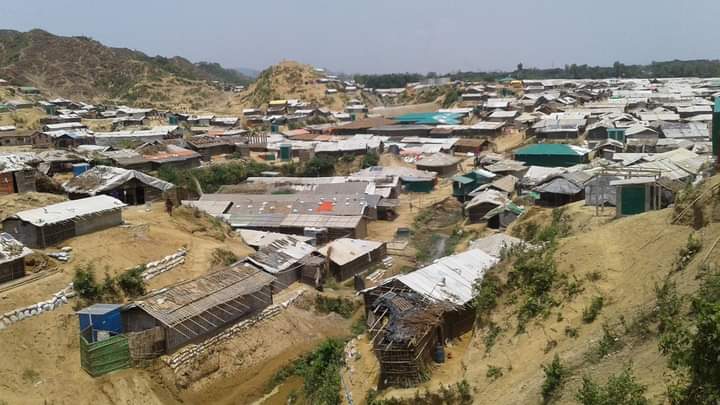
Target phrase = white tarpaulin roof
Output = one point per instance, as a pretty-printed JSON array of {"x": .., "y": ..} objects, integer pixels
[
  {"x": 493, "y": 245},
  {"x": 69, "y": 210},
  {"x": 450, "y": 278},
  {"x": 105, "y": 178},
  {"x": 260, "y": 238},
  {"x": 11, "y": 249},
  {"x": 345, "y": 250}
]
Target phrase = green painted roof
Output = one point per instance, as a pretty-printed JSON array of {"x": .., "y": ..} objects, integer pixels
[
  {"x": 551, "y": 149},
  {"x": 463, "y": 179}
]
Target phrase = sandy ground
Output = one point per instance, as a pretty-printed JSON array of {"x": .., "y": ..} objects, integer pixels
[{"x": 47, "y": 345}]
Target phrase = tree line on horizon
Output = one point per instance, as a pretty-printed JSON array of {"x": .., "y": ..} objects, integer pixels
[{"x": 676, "y": 68}]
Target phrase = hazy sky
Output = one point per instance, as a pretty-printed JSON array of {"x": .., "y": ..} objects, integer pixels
[{"x": 389, "y": 35}]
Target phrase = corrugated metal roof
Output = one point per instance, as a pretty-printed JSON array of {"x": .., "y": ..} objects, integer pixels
[
  {"x": 69, "y": 210},
  {"x": 261, "y": 238},
  {"x": 173, "y": 305},
  {"x": 105, "y": 178},
  {"x": 281, "y": 254}
]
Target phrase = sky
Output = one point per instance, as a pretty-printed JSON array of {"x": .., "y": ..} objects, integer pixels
[{"x": 382, "y": 36}]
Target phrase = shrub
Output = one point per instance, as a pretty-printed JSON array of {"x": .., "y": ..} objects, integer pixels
[
  {"x": 687, "y": 253},
  {"x": 571, "y": 332},
  {"x": 493, "y": 373},
  {"x": 492, "y": 333},
  {"x": 370, "y": 159},
  {"x": 359, "y": 326},
  {"x": 320, "y": 371},
  {"x": 620, "y": 389},
  {"x": 131, "y": 282},
  {"x": 84, "y": 283},
  {"x": 609, "y": 343},
  {"x": 554, "y": 375},
  {"x": 319, "y": 166},
  {"x": 486, "y": 292},
  {"x": 224, "y": 257},
  {"x": 590, "y": 313},
  {"x": 343, "y": 306}
]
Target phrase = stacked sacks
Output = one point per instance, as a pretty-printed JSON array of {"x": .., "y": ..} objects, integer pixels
[{"x": 154, "y": 269}]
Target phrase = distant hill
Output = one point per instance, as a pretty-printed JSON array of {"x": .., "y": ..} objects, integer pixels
[
  {"x": 82, "y": 67},
  {"x": 252, "y": 73}
]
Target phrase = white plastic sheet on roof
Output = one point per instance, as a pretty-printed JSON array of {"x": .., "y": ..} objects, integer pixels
[{"x": 450, "y": 278}]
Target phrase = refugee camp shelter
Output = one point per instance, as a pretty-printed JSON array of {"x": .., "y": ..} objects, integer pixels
[
  {"x": 464, "y": 184},
  {"x": 562, "y": 189},
  {"x": 636, "y": 195},
  {"x": 349, "y": 257},
  {"x": 283, "y": 259},
  {"x": 197, "y": 309},
  {"x": 502, "y": 216},
  {"x": 440, "y": 163},
  {"x": 552, "y": 155},
  {"x": 129, "y": 186},
  {"x": 482, "y": 203},
  {"x": 409, "y": 316},
  {"x": 47, "y": 226},
  {"x": 12, "y": 254},
  {"x": 15, "y": 175}
]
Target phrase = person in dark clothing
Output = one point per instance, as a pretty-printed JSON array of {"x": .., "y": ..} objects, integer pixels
[{"x": 169, "y": 206}]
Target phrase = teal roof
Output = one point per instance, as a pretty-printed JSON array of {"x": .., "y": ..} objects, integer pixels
[
  {"x": 511, "y": 207},
  {"x": 432, "y": 118},
  {"x": 551, "y": 149},
  {"x": 463, "y": 179}
]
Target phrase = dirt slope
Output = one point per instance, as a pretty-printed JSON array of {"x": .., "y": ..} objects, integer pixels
[
  {"x": 621, "y": 260},
  {"x": 86, "y": 69}
]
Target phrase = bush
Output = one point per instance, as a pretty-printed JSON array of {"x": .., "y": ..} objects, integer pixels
[
  {"x": 688, "y": 252},
  {"x": 370, "y": 159},
  {"x": 571, "y": 332},
  {"x": 694, "y": 347},
  {"x": 224, "y": 257},
  {"x": 320, "y": 371},
  {"x": 319, "y": 167},
  {"x": 492, "y": 333},
  {"x": 590, "y": 313},
  {"x": 84, "y": 283},
  {"x": 620, "y": 389},
  {"x": 554, "y": 375},
  {"x": 493, "y": 373},
  {"x": 359, "y": 326},
  {"x": 131, "y": 282},
  {"x": 609, "y": 343},
  {"x": 343, "y": 306},
  {"x": 486, "y": 291}
]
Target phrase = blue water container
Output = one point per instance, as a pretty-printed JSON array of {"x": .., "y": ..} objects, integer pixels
[
  {"x": 439, "y": 353},
  {"x": 80, "y": 168}
]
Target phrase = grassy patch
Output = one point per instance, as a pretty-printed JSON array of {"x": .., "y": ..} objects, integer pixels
[
  {"x": 223, "y": 257},
  {"x": 340, "y": 305}
]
